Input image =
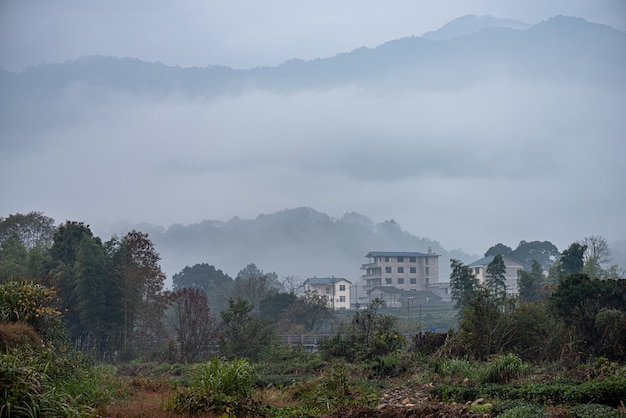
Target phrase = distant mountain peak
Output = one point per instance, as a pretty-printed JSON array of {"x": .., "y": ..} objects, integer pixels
[{"x": 469, "y": 24}]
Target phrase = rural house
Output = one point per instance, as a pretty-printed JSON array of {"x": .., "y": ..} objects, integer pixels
[{"x": 336, "y": 290}]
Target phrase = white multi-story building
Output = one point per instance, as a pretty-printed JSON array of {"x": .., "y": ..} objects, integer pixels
[
  {"x": 404, "y": 270},
  {"x": 336, "y": 290}
]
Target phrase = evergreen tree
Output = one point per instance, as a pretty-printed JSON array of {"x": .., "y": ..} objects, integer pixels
[
  {"x": 216, "y": 284},
  {"x": 63, "y": 254},
  {"x": 91, "y": 294},
  {"x": 499, "y": 249},
  {"x": 496, "y": 277},
  {"x": 463, "y": 284},
  {"x": 253, "y": 285},
  {"x": 530, "y": 283},
  {"x": 244, "y": 334},
  {"x": 544, "y": 252},
  {"x": 571, "y": 261}
]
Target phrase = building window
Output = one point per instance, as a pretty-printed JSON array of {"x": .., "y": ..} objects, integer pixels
[
  {"x": 413, "y": 269},
  {"x": 328, "y": 290},
  {"x": 388, "y": 280},
  {"x": 342, "y": 298},
  {"x": 400, "y": 269},
  {"x": 413, "y": 280},
  {"x": 342, "y": 287},
  {"x": 387, "y": 269},
  {"x": 477, "y": 270},
  {"x": 412, "y": 259},
  {"x": 426, "y": 260},
  {"x": 427, "y": 281},
  {"x": 400, "y": 280},
  {"x": 427, "y": 270},
  {"x": 387, "y": 259},
  {"x": 400, "y": 259}
]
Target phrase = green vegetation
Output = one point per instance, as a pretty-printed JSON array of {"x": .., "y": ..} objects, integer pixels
[
  {"x": 219, "y": 387},
  {"x": 40, "y": 375},
  {"x": 95, "y": 333}
]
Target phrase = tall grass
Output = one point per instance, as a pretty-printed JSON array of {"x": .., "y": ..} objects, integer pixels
[
  {"x": 455, "y": 368},
  {"x": 505, "y": 368},
  {"x": 36, "y": 383},
  {"x": 220, "y": 387}
]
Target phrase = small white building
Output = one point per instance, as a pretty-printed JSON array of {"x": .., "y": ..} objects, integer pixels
[
  {"x": 479, "y": 268},
  {"x": 336, "y": 290}
]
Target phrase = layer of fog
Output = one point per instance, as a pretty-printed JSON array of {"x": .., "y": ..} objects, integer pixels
[{"x": 498, "y": 161}]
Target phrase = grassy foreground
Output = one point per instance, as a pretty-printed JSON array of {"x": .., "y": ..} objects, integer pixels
[{"x": 305, "y": 386}]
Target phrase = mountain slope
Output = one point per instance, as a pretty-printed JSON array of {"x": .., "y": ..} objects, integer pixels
[
  {"x": 582, "y": 49},
  {"x": 469, "y": 24}
]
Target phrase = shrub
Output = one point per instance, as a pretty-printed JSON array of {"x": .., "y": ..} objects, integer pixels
[
  {"x": 218, "y": 386},
  {"x": 427, "y": 343},
  {"x": 39, "y": 384},
  {"x": 504, "y": 369},
  {"x": 455, "y": 393},
  {"x": 29, "y": 302},
  {"x": 503, "y": 406},
  {"x": 454, "y": 367},
  {"x": 594, "y": 411},
  {"x": 525, "y": 411},
  {"x": 608, "y": 392},
  {"x": 391, "y": 365},
  {"x": 333, "y": 389}
]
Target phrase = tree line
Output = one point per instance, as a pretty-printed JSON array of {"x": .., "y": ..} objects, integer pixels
[
  {"x": 575, "y": 311},
  {"x": 114, "y": 305}
]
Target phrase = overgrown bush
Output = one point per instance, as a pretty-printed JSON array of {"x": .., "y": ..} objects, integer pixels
[
  {"x": 455, "y": 393},
  {"x": 502, "y": 406},
  {"x": 391, "y": 365},
  {"x": 427, "y": 343},
  {"x": 503, "y": 369},
  {"x": 525, "y": 411},
  {"x": 594, "y": 411},
  {"x": 220, "y": 387},
  {"x": 39, "y": 374},
  {"x": 331, "y": 390},
  {"x": 606, "y": 392},
  {"x": 454, "y": 368},
  {"x": 41, "y": 383},
  {"x": 368, "y": 335},
  {"x": 31, "y": 303}
]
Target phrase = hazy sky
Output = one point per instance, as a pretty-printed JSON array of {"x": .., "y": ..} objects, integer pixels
[
  {"x": 498, "y": 171},
  {"x": 246, "y": 34}
]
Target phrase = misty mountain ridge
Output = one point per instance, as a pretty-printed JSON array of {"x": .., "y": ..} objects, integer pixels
[
  {"x": 465, "y": 51},
  {"x": 469, "y": 24},
  {"x": 559, "y": 51},
  {"x": 300, "y": 242}
]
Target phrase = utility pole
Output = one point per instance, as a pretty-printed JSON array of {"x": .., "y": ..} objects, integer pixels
[{"x": 420, "y": 322}]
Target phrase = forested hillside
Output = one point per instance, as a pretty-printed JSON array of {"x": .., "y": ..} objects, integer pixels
[{"x": 298, "y": 242}]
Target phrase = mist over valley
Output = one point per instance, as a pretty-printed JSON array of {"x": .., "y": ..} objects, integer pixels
[{"x": 487, "y": 130}]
